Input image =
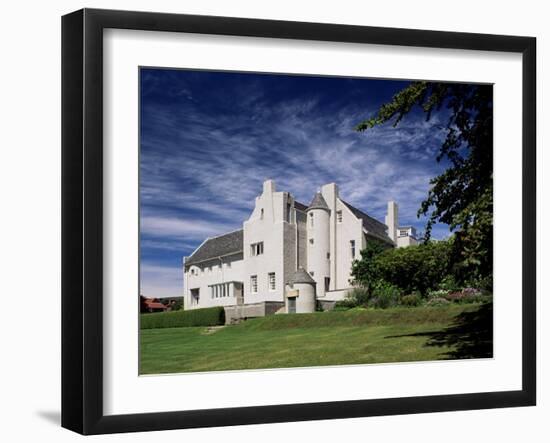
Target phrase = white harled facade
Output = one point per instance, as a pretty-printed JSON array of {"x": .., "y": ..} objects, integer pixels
[{"x": 286, "y": 248}]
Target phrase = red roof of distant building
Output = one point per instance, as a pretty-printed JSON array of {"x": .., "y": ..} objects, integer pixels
[{"x": 151, "y": 304}]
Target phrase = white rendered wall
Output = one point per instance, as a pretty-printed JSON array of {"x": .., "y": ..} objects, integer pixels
[
  {"x": 335, "y": 295},
  {"x": 318, "y": 262},
  {"x": 301, "y": 239},
  {"x": 207, "y": 276},
  {"x": 350, "y": 229},
  {"x": 305, "y": 302},
  {"x": 271, "y": 229},
  {"x": 405, "y": 241}
]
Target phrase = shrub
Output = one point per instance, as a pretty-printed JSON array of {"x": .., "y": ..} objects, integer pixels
[
  {"x": 469, "y": 295},
  {"x": 384, "y": 295},
  {"x": 439, "y": 293},
  {"x": 359, "y": 296},
  {"x": 449, "y": 284},
  {"x": 455, "y": 296},
  {"x": 415, "y": 268},
  {"x": 483, "y": 283},
  {"x": 411, "y": 300},
  {"x": 438, "y": 301},
  {"x": 177, "y": 319},
  {"x": 356, "y": 297}
]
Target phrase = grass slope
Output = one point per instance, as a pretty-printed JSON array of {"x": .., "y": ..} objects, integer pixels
[{"x": 298, "y": 340}]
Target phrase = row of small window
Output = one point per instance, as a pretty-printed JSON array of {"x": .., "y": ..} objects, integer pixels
[
  {"x": 271, "y": 282},
  {"x": 196, "y": 271},
  {"x": 220, "y": 290},
  {"x": 351, "y": 246},
  {"x": 338, "y": 218}
]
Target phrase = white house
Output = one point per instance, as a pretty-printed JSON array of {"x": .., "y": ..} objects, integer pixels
[{"x": 287, "y": 255}]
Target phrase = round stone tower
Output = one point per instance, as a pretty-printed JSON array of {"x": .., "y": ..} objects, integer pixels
[
  {"x": 300, "y": 294},
  {"x": 318, "y": 242}
]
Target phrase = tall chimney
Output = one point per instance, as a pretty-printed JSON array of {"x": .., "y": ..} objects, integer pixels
[
  {"x": 269, "y": 187},
  {"x": 392, "y": 220}
]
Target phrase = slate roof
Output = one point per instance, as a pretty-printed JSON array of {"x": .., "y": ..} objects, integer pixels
[
  {"x": 318, "y": 202},
  {"x": 300, "y": 206},
  {"x": 300, "y": 276},
  {"x": 371, "y": 225},
  {"x": 226, "y": 244}
]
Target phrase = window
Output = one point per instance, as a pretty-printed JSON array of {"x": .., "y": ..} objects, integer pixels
[
  {"x": 311, "y": 241},
  {"x": 311, "y": 273},
  {"x": 254, "y": 284},
  {"x": 311, "y": 219},
  {"x": 352, "y": 248},
  {"x": 195, "y": 296},
  {"x": 288, "y": 212},
  {"x": 327, "y": 283},
  {"x": 257, "y": 249},
  {"x": 339, "y": 216},
  {"x": 220, "y": 290},
  {"x": 328, "y": 255},
  {"x": 271, "y": 280},
  {"x": 403, "y": 233},
  {"x": 262, "y": 214}
]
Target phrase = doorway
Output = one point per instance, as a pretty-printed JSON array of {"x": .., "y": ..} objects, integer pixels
[{"x": 292, "y": 305}]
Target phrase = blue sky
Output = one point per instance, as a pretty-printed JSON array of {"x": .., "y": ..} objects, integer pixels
[{"x": 209, "y": 140}]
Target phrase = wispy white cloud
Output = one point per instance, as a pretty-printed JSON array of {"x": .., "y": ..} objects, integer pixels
[
  {"x": 181, "y": 227},
  {"x": 161, "y": 281}
]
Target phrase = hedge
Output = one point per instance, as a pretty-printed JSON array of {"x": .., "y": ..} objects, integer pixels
[{"x": 178, "y": 319}]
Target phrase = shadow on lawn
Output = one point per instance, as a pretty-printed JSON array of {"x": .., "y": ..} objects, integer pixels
[{"x": 469, "y": 336}]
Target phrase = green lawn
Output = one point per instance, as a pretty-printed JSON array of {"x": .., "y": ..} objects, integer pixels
[{"x": 323, "y": 338}]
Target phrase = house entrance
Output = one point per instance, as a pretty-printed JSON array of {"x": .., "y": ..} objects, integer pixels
[{"x": 292, "y": 305}]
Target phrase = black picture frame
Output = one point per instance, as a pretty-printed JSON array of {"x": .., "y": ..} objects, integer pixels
[{"x": 82, "y": 215}]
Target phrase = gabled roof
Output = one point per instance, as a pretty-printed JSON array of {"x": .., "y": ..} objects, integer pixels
[
  {"x": 226, "y": 244},
  {"x": 318, "y": 202},
  {"x": 371, "y": 225}
]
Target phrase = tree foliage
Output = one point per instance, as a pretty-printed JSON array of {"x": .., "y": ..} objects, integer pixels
[
  {"x": 462, "y": 196},
  {"x": 415, "y": 268},
  {"x": 364, "y": 272}
]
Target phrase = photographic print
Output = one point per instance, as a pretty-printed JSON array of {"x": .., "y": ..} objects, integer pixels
[{"x": 301, "y": 221}]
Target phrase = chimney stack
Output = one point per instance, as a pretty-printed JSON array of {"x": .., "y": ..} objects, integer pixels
[
  {"x": 269, "y": 187},
  {"x": 392, "y": 220}
]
